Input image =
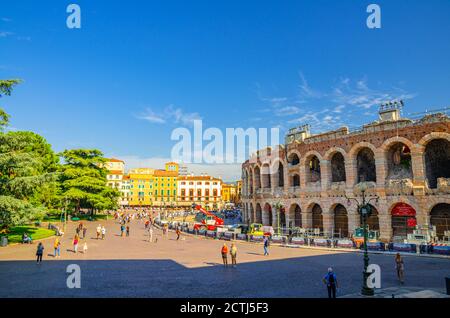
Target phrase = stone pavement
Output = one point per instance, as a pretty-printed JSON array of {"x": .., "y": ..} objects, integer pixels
[
  {"x": 402, "y": 292},
  {"x": 133, "y": 267}
]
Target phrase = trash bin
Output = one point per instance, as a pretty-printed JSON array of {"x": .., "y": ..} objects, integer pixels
[
  {"x": 3, "y": 241},
  {"x": 447, "y": 284}
]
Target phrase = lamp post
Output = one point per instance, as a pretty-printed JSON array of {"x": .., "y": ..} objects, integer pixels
[{"x": 364, "y": 209}]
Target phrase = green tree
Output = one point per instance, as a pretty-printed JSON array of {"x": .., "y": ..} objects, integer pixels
[
  {"x": 6, "y": 87},
  {"x": 28, "y": 168},
  {"x": 83, "y": 181},
  {"x": 25, "y": 176}
]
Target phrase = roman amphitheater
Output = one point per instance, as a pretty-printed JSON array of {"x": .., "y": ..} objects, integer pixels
[{"x": 403, "y": 165}]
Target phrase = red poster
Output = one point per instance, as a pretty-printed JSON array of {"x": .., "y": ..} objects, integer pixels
[
  {"x": 411, "y": 222},
  {"x": 403, "y": 209}
]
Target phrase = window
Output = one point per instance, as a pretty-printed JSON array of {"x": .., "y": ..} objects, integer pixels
[{"x": 199, "y": 183}]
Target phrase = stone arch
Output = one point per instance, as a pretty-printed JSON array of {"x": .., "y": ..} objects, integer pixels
[
  {"x": 251, "y": 215},
  {"x": 257, "y": 177},
  {"x": 265, "y": 176},
  {"x": 365, "y": 165},
  {"x": 311, "y": 162},
  {"x": 250, "y": 180},
  {"x": 337, "y": 166},
  {"x": 433, "y": 135},
  {"x": 440, "y": 218},
  {"x": 373, "y": 221},
  {"x": 315, "y": 210},
  {"x": 294, "y": 179},
  {"x": 294, "y": 157},
  {"x": 258, "y": 214},
  {"x": 340, "y": 216},
  {"x": 295, "y": 215},
  {"x": 267, "y": 214},
  {"x": 398, "y": 158},
  {"x": 277, "y": 173},
  {"x": 436, "y": 160},
  {"x": 401, "y": 215}
]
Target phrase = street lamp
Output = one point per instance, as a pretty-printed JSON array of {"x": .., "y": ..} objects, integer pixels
[{"x": 365, "y": 210}]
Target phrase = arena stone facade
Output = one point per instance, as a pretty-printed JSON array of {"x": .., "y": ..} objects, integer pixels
[{"x": 307, "y": 180}]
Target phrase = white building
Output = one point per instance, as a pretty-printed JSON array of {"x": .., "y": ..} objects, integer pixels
[{"x": 203, "y": 190}]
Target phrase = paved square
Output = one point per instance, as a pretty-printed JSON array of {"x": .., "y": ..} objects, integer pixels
[{"x": 192, "y": 267}]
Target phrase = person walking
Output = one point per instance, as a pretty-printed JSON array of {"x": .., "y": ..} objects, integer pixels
[
  {"x": 84, "y": 232},
  {"x": 233, "y": 253},
  {"x": 103, "y": 232},
  {"x": 57, "y": 248},
  {"x": 99, "y": 231},
  {"x": 128, "y": 230},
  {"x": 178, "y": 232},
  {"x": 400, "y": 267},
  {"x": 122, "y": 230},
  {"x": 266, "y": 245},
  {"x": 85, "y": 248},
  {"x": 150, "y": 233},
  {"x": 331, "y": 281},
  {"x": 225, "y": 254},
  {"x": 39, "y": 253},
  {"x": 75, "y": 244}
]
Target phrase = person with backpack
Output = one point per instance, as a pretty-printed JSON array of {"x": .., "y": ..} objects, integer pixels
[{"x": 331, "y": 281}]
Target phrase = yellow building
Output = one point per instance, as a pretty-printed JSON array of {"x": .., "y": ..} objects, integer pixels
[
  {"x": 229, "y": 193},
  {"x": 154, "y": 187}
]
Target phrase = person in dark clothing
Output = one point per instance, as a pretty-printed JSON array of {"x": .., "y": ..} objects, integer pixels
[
  {"x": 39, "y": 252},
  {"x": 84, "y": 232},
  {"x": 331, "y": 281},
  {"x": 266, "y": 245}
]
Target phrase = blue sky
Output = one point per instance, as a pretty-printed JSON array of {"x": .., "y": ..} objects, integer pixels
[{"x": 138, "y": 69}]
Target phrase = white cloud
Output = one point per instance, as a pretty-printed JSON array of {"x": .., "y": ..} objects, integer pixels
[
  {"x": 4, "y": 34},
  {"x": 170, "y": 114}
]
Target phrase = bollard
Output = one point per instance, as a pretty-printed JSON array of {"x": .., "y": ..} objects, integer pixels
[{"x": 447, "y": 284}]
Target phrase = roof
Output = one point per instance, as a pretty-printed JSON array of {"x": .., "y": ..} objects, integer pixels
[
  {"x": 164, "y": 173},
  {"x": 115, "y": 160},
  {"x": 115, "y": 172},
  {"x": 198, "y": 178}
]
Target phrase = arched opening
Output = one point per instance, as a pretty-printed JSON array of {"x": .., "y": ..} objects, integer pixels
[
  {"x": 440, "y": 218},
  {"x": 317, "y": 217},
  {"x": 295, "y": 216},
  {"x": 265, "y": 177},
  {"x": 280, "y": 175},
  {"x": 338, "y": 168},
  {"x": 403, "y": 220},
  {"x": 269, "y": 216},
  {"x": 366, "y": 170},
  {"x": 340, "y": 220},
  {"x": 295, "y": 180},
  {"x": 437, "y": 158},
  {"x": 283, "y": 217},
  {"x": 372, "y": 221},
  {"x": 313, "y": 169},
  {"x": 250, "y": 183},
  {"x": 258, "y": 215},
  {"x": 257, "y": 176},
  {"x": 399, "y": 162},
  {"x": 251, "y": 217},
  {"x": 293, "y": 159}
]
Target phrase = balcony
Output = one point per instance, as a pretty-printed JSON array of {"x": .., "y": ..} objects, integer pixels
[
  {"x": 399, "y": 187},
  {"x": 313, "y": 186}
]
